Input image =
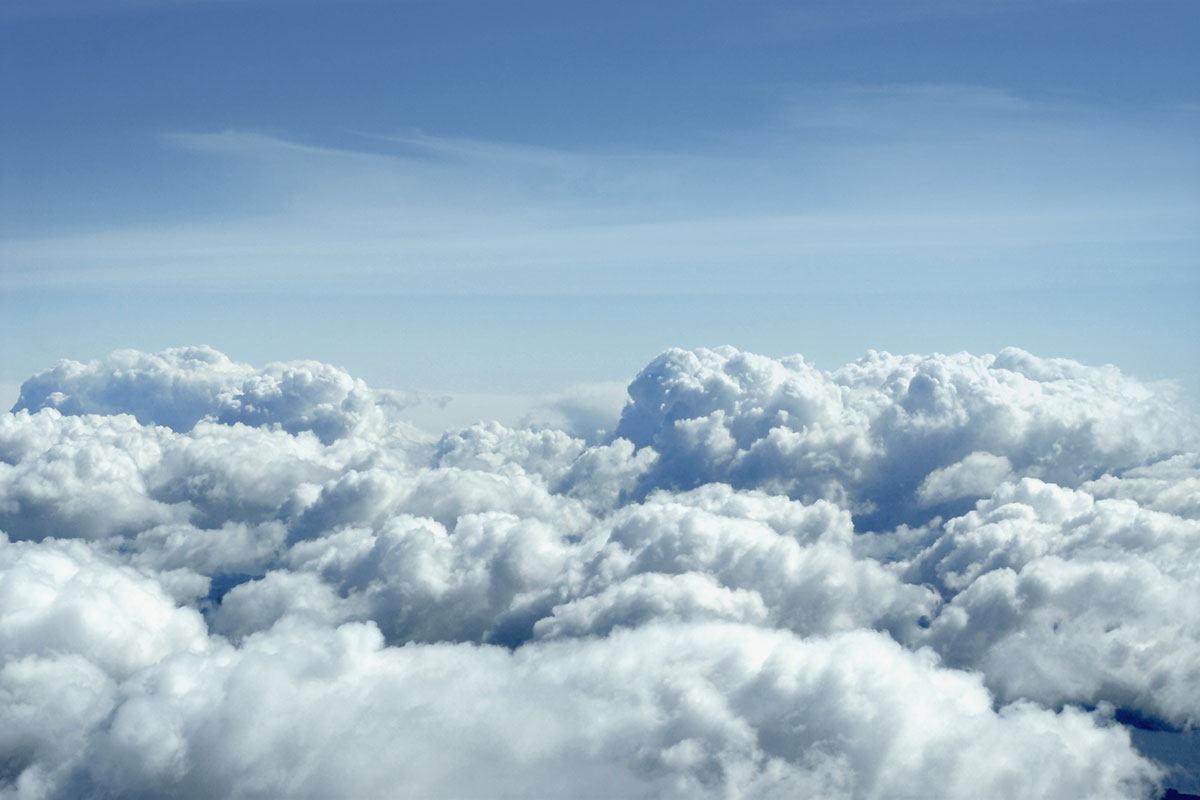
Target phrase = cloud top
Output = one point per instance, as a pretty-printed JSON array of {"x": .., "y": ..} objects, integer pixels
[
  {"x": 884, "y": 435},
  {"x": 181, "y": 386}
]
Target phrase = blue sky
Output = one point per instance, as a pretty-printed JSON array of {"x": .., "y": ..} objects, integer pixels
[{"x": 512, "y": 197}]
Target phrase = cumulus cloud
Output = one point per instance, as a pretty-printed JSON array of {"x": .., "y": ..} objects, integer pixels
[
  {"x": 181, "y": 386},
  {"x": 882, "y": 435},
  {"x": 1172, "y": 485},
  {"x": 1061, "y": 597},
  {"x": 662, "y": 711},
  {"x": 914, "y": 576},
  {"x": 974, "y": 476}
]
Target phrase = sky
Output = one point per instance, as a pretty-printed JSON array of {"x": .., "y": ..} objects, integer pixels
[
  {"x": 650, "y": 400},
  {"x": 507, "y": 198}
]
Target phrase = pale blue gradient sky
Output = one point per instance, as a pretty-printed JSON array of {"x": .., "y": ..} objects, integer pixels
[{"x": 486, "y": 196}]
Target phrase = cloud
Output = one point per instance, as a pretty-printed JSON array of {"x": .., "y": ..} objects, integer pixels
[
  {"x": 692, "y": 710},
  {"x": 886, "y": 434},
  {"x": 79, "y": 476},
  {"x": 62, "y": 597},
  {"x": 1060, "y": 597},
  {"x": 181, "y": 386},
  {"x": 975, "y": 475},
  {"x": 1172, "y": 485},
  {"x": 910, "y": 576}
]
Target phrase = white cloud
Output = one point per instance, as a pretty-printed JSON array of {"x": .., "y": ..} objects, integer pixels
[
  {"x": 280, "y": 580},
  {"x": 181, "y": 386},
  {"x": 79, "y": 476},
  {"x": 62, "y": 598},
  {"x": 1059, "y": 597},
  {"x": 976, "y": 475},
  {"x": 668, "y": 711},
  {"x": 1172, "y": 485},
  {"x": 869, "y": 434}
]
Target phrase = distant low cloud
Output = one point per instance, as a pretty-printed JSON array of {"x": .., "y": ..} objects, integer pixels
[
  {"x": 179, "y": 387},
  {"x": 935, "y": 576}
]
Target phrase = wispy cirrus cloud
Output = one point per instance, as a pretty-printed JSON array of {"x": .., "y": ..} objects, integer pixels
[{"x": 921, "y": 174}]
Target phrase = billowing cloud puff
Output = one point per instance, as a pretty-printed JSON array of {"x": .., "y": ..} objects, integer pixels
[
  {"x": 305, "y": 710},
  {"x": 975, "y": 475},
  {"x": 796, "y": 560},
  {"x": 893, "y": 437},
  {"x": 1172, "y": 485},
  {"x": 915, "y": 576},
  {"x": 74, "y": 625},
  {"x": 1061, "y": 598},
  {"x": 61, "y": 597},
  {"x": 602, "y": 475},
  {"x": 78, "y": 476},
  {"x": 181, "y": 386}
]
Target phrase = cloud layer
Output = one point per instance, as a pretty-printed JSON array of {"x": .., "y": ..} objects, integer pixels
[{"x": 914, "y": 576}]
